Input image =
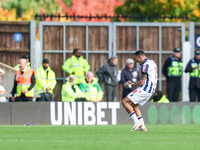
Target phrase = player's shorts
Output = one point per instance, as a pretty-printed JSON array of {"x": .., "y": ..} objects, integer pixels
[{"x": 138, "y": 96}]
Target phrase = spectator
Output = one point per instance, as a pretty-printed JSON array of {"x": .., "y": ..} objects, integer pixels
[
  {"x": 76, "y": 65},
  {"x": 159, "y": 97},
  {"x": 70, "y": 91},
  {"x": 172, "y": 70},
  {"x": 24, "y": 81},
  {"x": 108, "y": 74},
  {"x": 45, "y": 82},
  {"x": 194, "y": 70},
  {"x": 27, "y": 60},
  {"x": 2, "y": 89},
  {"x": 129, "y": 73},
  {"x": 91, "y": 88}
]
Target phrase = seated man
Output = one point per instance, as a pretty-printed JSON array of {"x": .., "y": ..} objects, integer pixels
[
  {"x": 70, "y": 91},
  {"x": 91, "y": 88},
  {"x": 159, "y": 97}
]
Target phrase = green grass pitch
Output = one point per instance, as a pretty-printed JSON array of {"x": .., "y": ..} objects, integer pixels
[{"x": 110, "y": 137}]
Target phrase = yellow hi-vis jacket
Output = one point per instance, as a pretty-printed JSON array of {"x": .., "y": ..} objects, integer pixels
[
  {"x": 68, "y": 94},
  {"x": 43, "y": 82},
  {"x": 78, "y": 66},
  {"x": 175, "y": 69},
  {"x": 24, "y": 82}
]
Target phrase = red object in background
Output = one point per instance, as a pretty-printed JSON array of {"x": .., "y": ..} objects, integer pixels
[{"x": 91, "y": 7}]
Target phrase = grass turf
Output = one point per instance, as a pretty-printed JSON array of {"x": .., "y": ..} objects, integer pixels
[{"x": 118, "y": 137}]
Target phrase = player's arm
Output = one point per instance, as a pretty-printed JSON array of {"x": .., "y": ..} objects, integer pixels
[{"x": 139, "y": 83}]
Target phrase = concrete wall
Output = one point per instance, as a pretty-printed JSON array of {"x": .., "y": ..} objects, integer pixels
[
  {"x": 101, "y": 113},
  {"x": 7, "y": 79}
]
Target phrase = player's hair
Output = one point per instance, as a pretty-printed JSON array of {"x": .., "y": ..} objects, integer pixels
[{"x": 139, "y": 53}]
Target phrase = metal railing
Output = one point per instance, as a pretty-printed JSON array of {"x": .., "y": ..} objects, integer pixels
[{"x": 115, "y": 17}]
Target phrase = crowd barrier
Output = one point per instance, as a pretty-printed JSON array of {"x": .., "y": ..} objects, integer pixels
[{"x": 101, "y": 113}]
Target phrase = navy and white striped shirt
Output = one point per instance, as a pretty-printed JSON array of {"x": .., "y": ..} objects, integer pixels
[{"x": 149, "y": 68}]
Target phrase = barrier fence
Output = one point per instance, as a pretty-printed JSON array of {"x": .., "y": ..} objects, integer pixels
[{"x": 101, "y": 113}]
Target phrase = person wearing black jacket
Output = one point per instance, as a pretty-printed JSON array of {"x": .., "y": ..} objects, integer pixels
[
  {"x": 172, "y": 70},
  {"x": 194, "y": 70}
]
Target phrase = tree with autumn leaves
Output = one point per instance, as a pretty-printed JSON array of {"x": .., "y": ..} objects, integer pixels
[
  {"x": 55, "y": 7},
  {"x": 19, "y": 10},
  {"x": 174, "y": 8}
]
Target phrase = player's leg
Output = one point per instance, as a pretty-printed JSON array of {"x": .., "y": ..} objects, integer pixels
[
  {"x": 139, "y": 116},
  {"x": 126, "y": 103}
]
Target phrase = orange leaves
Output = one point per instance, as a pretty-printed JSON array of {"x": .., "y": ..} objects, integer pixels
[
  {"x": 7, "y": 15},
  {"x": 77, "y": 7},
  {"x": 91, "y": 7},
  {"x": 11, "y": 15}
]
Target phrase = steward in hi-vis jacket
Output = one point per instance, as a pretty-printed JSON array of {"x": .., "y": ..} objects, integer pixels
[
  {"x": 24, "y": 81},
  {"x": 172, "y": 70},
  {"x": 193, "y": 67},
  {"x": 76, "y": 65},
  {"x": 91, "y": 88},
  {"x": 45, "y": 82}
]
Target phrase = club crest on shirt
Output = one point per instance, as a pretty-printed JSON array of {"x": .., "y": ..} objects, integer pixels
[{"x": 131, "y": 95}]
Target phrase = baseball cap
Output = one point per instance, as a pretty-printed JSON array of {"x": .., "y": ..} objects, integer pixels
[
  {"x": 25, "y": 56},
  {"x": 177, "y": 50},
  {"x": 129, "y": 61},
  {"x": 197, "y": 52}
]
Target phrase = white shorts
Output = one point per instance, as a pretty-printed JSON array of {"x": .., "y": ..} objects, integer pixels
[{"x": 138, "y": 96}]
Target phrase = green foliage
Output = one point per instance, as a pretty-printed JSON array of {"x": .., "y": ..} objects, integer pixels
[
  {"x": 67, "y": 2},
  {"x": 13, "y": 4},
  {"x": 161, "y": 7},
  {"x": 50, "y": 6}
]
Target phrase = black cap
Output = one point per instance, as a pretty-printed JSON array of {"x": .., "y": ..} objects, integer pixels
[
  {"x": 197, "y": 52},
  {"x": 25, "y": 56},
  {"x": 45, "y": 61},
  {"x": 74, "y": 51},
  {"x": 177, "y": 50}
]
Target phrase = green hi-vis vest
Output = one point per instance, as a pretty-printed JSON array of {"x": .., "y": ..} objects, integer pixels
[
  {"x": 78, "y": 66},
  {"x": 175, "y": 69},
  {"x": 162, "y": 100},
  {"x": 68, "y": 94},
  {"x": 91, "y": 91},
  {"x": 195, "y": 73},
  {"x": 24, "y": 82},
  {"x": 17, "y": 66},
  {"x": 43, "y": 82}
]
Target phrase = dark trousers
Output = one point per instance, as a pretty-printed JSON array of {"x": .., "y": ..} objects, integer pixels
[
  {"x": 173, "y": 90},
  {"x": 193, "y": 93},
  {"x": 45, "y": 97},
  {"x": 23, "y": 98},
  {"x": 110, "y": 92}
]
